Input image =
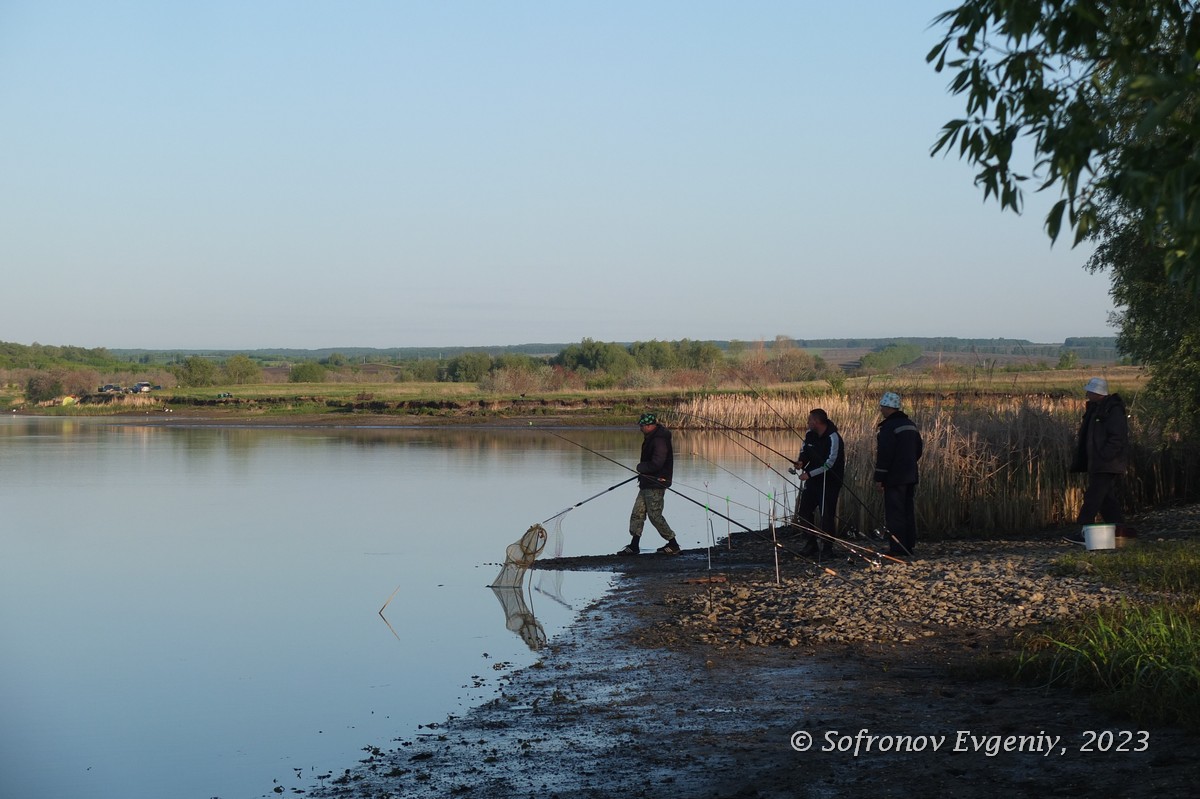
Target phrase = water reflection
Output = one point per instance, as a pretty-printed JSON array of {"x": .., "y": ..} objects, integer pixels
[
  {"x": 232, "y": 576},
  {"x": 518, "y": 616}
]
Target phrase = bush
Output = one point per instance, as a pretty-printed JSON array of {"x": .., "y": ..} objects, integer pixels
[
  {"x": 196, "y": 371},
  {"x": 307, "y": 372},
  {"x": 43, "y": 387}
]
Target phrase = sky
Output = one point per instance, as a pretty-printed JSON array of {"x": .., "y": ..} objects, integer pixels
[{"x": 280, "y": 173}]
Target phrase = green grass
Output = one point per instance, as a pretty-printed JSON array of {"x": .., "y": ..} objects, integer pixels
[
  {"x": 1139, "y": 661},
  {"x": 1142, "y": 661},
  {"x": 1172, "y": 566}
]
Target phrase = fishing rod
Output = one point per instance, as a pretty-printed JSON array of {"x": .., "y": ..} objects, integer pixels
[
  {"x": 589, "y": 499},
  {"x": 735, "y": 476},
  {"x": 854, "y": 548},
  {"x": 732, "y": 474},
  {"x": 705, "y": 506},
  {"x": 724, "y": 426},
  {"x": 759, "y": 396},
  {"x": 726, "y": 430}
]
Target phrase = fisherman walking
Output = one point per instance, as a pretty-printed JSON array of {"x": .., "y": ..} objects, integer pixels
[
  {"x": 822, "y": 465},
  {"x": 654, "y": 478},
  {"x": 1102, "y": 451},
  {"x": 898, "y": 448}
]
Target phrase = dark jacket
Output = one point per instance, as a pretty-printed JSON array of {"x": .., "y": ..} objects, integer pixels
[
  {"x": 1102, "y": 445},
  {"x": 658, "y": 459},
  {"x": 898, "y": 448},
  {"x": 824, "y": 455}
]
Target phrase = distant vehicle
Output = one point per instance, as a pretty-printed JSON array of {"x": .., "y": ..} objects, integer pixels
[
  {"x": 141, "y": 387},
  {"x": 108, "y": 388},
  {"x": 224, "y": 395}
]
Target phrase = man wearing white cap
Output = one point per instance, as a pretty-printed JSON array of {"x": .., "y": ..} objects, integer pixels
[
  {"x": 898, "y": 448},
  {"x": 1102, "y": 451}
]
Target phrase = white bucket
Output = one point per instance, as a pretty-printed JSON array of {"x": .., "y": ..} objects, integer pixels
[{"x": 1100, "y": 536}]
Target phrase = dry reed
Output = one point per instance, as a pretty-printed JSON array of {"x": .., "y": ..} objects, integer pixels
[{"x": 995, "y": 464}]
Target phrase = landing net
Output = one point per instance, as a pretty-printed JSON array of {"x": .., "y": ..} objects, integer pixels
[{"x": 519, "y": 556}]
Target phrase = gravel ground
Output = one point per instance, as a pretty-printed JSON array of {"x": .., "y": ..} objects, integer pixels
[{"x": 692, "y": 679}]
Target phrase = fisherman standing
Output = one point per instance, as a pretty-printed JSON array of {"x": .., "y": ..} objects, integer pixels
[
  {"x": 898, "y": 448},
  {"x": 1102, "y": 451},
  {"x": 822, "y": 463},
  {"x": 654, "y": 478}
]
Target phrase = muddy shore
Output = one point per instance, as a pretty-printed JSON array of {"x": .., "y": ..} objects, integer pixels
[{"x": 693, "y": 678}]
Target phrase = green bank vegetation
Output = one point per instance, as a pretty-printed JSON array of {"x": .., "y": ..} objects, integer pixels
[
  {"x": 1141, "y": 660},
  {"x": 43, "y": 372}
]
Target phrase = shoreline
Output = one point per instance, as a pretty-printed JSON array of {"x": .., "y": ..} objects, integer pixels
[
  {"x": 651, "y": 692},
  {"x": 194, "y": 417}
]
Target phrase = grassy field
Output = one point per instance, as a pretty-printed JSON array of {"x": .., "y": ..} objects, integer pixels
[{"x": 1053, "y": 382}]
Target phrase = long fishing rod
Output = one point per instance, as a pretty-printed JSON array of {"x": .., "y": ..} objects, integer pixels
[
  {"x": 726, "y": 430},
  {"x": 768, "y": 496},
  {"x": 589, "y": 499},
  {"x": 743, "y": 433},
  {"x": 703, "y": 505},
  {"x": 639, "y": 474},
  {"x": 758, "y": 395},
  {"x": 731, "y": 473}
]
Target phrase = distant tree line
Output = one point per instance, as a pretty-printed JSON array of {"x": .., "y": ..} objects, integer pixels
[{"x": 44, "y": 372}]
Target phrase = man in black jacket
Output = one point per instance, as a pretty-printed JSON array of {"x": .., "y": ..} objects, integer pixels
[
  {"x": 822, "y": 463},
  {"x": 898, "y": 448},
  {"x": 1102, "y": 451},
  {"x": 654, "y": 470}
]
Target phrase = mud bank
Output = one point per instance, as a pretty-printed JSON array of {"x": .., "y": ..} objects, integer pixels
[{"x": 658, "y": 689}]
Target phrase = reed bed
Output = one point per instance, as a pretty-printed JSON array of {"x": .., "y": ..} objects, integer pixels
[{"x": 993, "y": 464}]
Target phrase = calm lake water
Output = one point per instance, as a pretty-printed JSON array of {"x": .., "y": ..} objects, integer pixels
[{"x": 192, "y": 612}]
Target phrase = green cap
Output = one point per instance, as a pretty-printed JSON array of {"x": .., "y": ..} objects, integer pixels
[{"x": 647, "y": 418}]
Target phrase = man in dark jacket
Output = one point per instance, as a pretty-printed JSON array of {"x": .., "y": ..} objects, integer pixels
[
  {"x": 898, "y": 448},
  {"x": 1102, "y": 451},
  {"x": 654, "y": 470},
  {"x": 822, "y": 465}
]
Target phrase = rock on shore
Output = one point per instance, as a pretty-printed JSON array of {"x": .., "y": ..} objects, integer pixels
[{"x": 992, "y": 585}]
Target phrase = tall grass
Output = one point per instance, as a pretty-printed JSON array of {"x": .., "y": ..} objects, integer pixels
[
  {"x": 993, "y": 463},
  {"x": 1143, "y": 661}
]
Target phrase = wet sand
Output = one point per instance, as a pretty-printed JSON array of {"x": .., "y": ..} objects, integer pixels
[{"x": 652, "y": 693}]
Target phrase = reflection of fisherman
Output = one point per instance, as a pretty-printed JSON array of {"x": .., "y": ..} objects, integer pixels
[
  {"x": 823, "y": 464},
  {"x": 654, "y": 470}
]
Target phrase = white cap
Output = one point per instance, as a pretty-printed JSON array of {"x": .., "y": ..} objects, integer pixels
[
  {"x": 1097, "y": 385},
  {"x": 890, "y": 400}
]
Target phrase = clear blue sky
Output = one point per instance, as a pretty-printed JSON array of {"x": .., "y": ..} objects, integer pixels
[{"x": 318, "y": 174}]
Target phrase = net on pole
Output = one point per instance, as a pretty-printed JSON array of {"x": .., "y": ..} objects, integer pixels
[{"x": 519, "y": 556}]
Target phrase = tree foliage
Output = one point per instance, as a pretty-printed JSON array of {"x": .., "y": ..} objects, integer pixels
[
  {"x": 240, "y": 370},
  {"x": 470, "y": 367},
  {"x": 1160, "y": 325},
  {"x": 307, "y": 372},
  {"x": 1107, "y": 92},
  {"x": 597, "y": 356},
  {"x": 196, "y": 371},
  {"x": 889, "y": 357}
]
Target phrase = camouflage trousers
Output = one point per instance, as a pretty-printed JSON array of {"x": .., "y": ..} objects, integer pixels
[{"x": 649, "y": 503}]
